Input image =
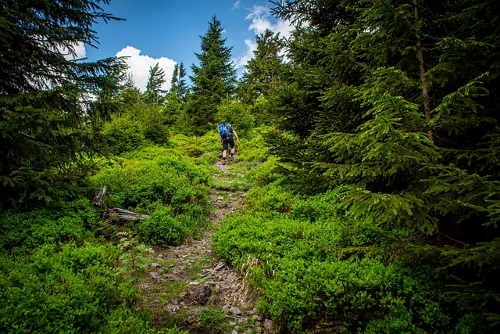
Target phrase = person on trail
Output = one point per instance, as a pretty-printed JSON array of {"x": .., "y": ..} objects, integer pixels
[{"x": 227, "y": 135}]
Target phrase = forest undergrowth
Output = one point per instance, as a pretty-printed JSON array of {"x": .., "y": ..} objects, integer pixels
[
  {"x": 65, "y": 269},
  {"x": 226, "y": 249},
  {"x": 188, "y": 287}
]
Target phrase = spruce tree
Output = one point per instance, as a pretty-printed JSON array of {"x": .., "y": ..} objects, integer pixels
[
  {"x": 178, "y": 85},
  {"x": 262, "y": 73},
  {"x": 47, "y": 107},
  {"x": 177, "y": 95},
  {"x": 154, "y": 94},
  {"x": 395, "y": 102},
  {"x": 129, "y": 95},
  {"x": 213, "y": 80}
]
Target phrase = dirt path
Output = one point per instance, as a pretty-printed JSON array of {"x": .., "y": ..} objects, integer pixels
[{"x": 189, "y": 287}]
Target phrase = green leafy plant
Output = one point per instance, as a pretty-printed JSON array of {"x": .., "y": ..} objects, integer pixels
[
  {"x": 214, "y": 319},
  {"x": 163, "y": 229},
  {"x": 123, "y": 134}
]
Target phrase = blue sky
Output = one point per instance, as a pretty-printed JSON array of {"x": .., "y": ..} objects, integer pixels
[{"x": 168, "y": 32}]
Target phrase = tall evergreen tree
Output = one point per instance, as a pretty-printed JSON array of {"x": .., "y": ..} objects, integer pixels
[
  {"x": 177, "y": 96},
  {"x": 178, "y": 85},
  {"x": 129, "y": 95},
  {"x": 262, "y": 73},
  {"x": 154, "y": 94},
  {"x": 395, "y": 102},
  {"x": 213, "y": 80},
  {"x": 175, "y": 79},
  {"x": 47, "y": 109}
]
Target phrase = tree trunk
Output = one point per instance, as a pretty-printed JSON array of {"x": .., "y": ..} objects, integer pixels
[{"x": 423, "y": 78}]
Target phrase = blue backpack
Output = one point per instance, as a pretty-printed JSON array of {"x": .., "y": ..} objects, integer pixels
[{"x": 224, "y": 130}]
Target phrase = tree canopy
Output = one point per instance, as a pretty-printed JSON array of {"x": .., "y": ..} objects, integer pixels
[
  {"x": 213, "y": 80},
  {"x": 47, "y": 109},
  {"x": 395, "y": 102}
]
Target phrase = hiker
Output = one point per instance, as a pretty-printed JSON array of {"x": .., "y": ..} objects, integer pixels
[{"x": 226, "y": 133}]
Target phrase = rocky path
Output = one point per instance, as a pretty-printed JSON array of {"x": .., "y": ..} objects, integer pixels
[{"x": 189, "y": 287}]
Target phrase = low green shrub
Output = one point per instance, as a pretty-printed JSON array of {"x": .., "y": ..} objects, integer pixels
[
  {"x": 70, "y": 288},
  {"x": 305, "y": 276},
  {"x": 265, "y": 173},
  {"x": 62, "y": 288},
  {"x": 205, "y": 146},
  {"x": 269, "y": 198},
  {"x": 213, "y": 319},
  {"x": 163, "y": 229},
  {"x": 314, "y": 264},
  {"x": 254, "y": 149},
  {"x": 21, "y": 232},
  {"x": 355, "y": 294},
  {"x": 156, "y": 175},
  {"x": 123, "y": 134}
]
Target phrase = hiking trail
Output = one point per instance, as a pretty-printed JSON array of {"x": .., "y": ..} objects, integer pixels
[{"x": 189, "y": 287}]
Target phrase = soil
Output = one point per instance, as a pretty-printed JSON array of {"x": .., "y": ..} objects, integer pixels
[{"x": 189, "y": 287}]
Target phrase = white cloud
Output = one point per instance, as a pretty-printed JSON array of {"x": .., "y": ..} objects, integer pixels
[
  {"x": 237, "y": 4},
  {"x": 260, "y": 22},
  {"x": 243, "y": 60},
  {"x": 78, "y": 49},
  {"x": 259, "y": 15},
  {"x": 257, "y": 11},
  {"x": 139, "y": 66}
]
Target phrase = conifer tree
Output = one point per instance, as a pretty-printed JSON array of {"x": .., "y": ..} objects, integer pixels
[
  {"x": 47, "y": 105},
  {"x": 178, "y": 85},
  {"x": 129, "y": 95},
  {"x": 213, "y": 80},
  {"x": 175, "y": 78},
  {"x": 177, "y": 96},
  {"x": 154, "y": 94},
  {"x": 395, "y": 102},
  {"x": 262, "y": 73}
]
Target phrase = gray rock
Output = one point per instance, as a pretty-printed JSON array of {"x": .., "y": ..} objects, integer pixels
[
  {"x": 268, "y": 325},
  {"x": 200, "y": 294},
  {"x": 235, "y": 311}
]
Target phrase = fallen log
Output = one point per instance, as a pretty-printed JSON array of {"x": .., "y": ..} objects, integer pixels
[
  {"x": 115, "y": 214},
  {"x": 124, "y": 215}
]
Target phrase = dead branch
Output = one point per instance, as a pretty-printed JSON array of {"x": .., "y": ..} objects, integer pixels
[{"x": 115, "y": 214}]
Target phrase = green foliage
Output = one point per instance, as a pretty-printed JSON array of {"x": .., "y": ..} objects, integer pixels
[
  {"x": 55, "y": 277},
  {"x": 178, "y": 85},
  {"x": 47, "y": 121},
  {"x": 155, "y": 176},
  {"x": 123, "y": 134},
  {"x": 304, "y": 280},
  {"x": 22, "y": 232},
  {"x": 154, "y": 122},
  {"x": 262, "y": 76},
  {"x": 237, "y": 114},
  {"x": 124, "y": 320},
  {"x": 205, "y": 146},
  {"x": 133, "y": 258},
  {"x": 261, "y": 109},
  {"x": 213, "y": 80},
  {"x": 254, "y": 148},
  {"x": 316, "y": 260},
  {"x": 154, "y": 94},
  {"x": 406, "y": 131},
  {"x": 164, "y": 229},
  {"x": 265, "y": 173},
  {"x": 60, "y": 288},
  {"x": 214, "y": 319}
]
